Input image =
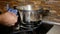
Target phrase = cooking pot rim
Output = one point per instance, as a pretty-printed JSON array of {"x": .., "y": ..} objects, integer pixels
[{"x": 30, "y": 10}]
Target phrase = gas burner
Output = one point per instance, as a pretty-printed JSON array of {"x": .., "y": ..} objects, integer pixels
[{"x": 29, "y": 26}]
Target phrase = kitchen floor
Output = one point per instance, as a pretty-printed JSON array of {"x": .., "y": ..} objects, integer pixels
[{"x": 54, "y": 30}]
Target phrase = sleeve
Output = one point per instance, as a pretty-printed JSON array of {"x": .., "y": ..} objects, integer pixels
[{"x": 9, "y": 10}]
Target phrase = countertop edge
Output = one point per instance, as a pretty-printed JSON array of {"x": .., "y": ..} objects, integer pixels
[{"x": 50, "y": 22}]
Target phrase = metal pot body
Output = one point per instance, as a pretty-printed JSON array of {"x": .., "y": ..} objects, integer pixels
[{"x": 30, "y": 15}]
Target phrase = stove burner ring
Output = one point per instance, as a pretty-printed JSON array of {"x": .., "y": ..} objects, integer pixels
[{"x": 30, "y": 26}]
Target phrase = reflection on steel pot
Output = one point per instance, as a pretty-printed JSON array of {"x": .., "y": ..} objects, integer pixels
[{"x": 31, "y": 15}]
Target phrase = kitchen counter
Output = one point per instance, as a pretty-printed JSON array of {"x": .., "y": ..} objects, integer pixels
[{"x": 52, "y": 18}]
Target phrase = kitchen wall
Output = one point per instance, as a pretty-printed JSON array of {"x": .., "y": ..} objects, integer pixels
[{"x": 53, "y": 4}]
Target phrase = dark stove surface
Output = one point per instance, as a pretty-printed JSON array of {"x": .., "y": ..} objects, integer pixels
[{"x": 42, "y": 29}]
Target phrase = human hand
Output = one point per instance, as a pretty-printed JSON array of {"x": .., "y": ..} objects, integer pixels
[{"x": 8, "y": 19}]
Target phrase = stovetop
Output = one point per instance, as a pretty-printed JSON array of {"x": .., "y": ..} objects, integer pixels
[{"x": 42, "y": 29}]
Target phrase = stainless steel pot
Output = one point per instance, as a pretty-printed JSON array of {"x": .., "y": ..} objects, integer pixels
[{"x": 28, "y": 14}]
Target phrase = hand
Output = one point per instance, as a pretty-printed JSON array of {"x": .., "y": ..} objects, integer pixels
[{"x": 8, "y": 19}]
